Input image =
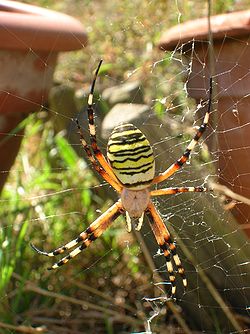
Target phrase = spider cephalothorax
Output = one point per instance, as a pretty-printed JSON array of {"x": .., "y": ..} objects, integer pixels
[{"x": 130, "y": 170}]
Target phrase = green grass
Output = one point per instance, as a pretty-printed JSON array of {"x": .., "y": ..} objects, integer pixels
[{"x": 49, "y": 199}]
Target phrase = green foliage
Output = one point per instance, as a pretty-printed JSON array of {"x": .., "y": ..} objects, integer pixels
[
  {"x": 36, "y": 198},
  {"x": 12, "y": 248},
  {"x": 50, "y": 197}
]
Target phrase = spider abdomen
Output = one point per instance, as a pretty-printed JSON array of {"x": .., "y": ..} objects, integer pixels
[{"x": 131, "y": 157}]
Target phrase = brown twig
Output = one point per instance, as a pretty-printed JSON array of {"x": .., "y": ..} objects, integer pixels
[
  {"x": 86, "y": 305},
  {"x": 24, "y": 329},
  {"x": 101, "y": 294},
  {"x": 229, "y": 193}
]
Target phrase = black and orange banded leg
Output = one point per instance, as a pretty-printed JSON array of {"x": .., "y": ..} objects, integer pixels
[
  {"x": 183, "y": 159},
  {"x": 92, "y": 130},
  {"x": 166, "y": 244},
  {"x": 104, "y": 174},
  {"x": 94, "y": 231},
  {"x": 177, "y": 190}
]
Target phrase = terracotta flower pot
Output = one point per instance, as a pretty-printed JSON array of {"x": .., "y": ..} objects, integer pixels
[
  {"x": 232, "y": 76},
  {"x": 31, "y": 38}
]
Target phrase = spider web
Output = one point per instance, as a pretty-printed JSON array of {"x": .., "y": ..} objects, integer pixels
[{"x": 119, "y": 284}]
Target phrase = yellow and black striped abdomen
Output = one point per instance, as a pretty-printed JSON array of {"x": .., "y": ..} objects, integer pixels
[{"x": 131, "y": 156}]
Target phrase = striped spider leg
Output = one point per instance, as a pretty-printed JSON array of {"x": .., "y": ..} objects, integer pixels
[
  {"x": 162, "y": 234},
  {"x": 167, "y": 246},
  {"x": 92, "y": 130},
  {"x": 130, "y": 170},
  {"x": 99, "y": 169},
  {"x": 183, "y": 159},
  {"x": 94, "y": 231},
  {"x": 173, "y": 191},
  {"x": 104, "y": 170}
]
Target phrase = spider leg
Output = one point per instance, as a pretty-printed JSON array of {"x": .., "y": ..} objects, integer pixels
[
  {"x": 106, "y": 176},
  {"x": 81, "y": 238},
  {"x": 93, "y": 232},
  {"x": 166, "y": 244},
  {"x": 182, "y": 160},
  {"x": 170, "y": 191},
  {"x": 92, "y": 130}
]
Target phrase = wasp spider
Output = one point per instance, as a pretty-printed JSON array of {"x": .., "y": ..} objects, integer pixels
[{"x": 129, "y": 169}]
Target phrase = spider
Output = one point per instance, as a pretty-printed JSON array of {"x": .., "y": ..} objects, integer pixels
[{"x": 130, "y": 169}]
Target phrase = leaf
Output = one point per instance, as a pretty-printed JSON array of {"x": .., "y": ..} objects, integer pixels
[{"x": 66, "y": 151}]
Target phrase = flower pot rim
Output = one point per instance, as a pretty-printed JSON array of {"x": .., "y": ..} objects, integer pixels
[
  {"x": 231, "y": 25},
  {"x": 25, "y": 27}
]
